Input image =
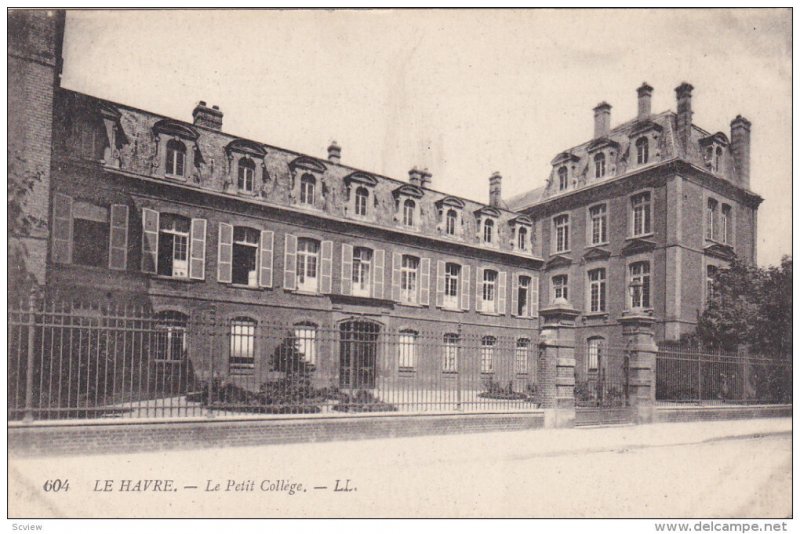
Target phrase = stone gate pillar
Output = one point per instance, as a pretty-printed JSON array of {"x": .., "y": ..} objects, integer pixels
[
  {"x": 641, "y": 348},
  {"x": 556, "y": 364}
]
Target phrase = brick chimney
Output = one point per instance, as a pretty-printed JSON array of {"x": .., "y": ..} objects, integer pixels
[
  {"x": 426, "y": 178},
  {"x": 683, "y": 94},
  {"x": 334, "y": 152},
  {"x": 740, "y": 148},
  {"x": 495, "y": 183},
  {"x": 415, "y": 177},
  {"x": 645, "y": 93},
  {"x": 602, "y": 119},
  {"x": 208, "y": 117}
]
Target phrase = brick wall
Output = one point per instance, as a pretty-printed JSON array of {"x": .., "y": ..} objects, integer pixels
[{"x": 718, "y": 413}]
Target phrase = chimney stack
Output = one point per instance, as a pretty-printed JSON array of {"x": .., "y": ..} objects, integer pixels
[
  {"x": 602, "y": 119},
  {"x": 683, "y": 94},
  {"x": 426, "y": 177},
  {"x": 207, "y": 117},
  {"x": 645, "y": 93},
  {"x": 740, "y": 148},
  {"x": 334, "y": 152},
  {"x": 415, "y": 177},
  {"x": 495, "y": 182}
]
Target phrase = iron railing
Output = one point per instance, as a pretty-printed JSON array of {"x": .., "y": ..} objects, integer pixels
[{"x": 85, "y": 362}]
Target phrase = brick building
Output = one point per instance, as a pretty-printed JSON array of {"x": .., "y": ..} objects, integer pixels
[{"x": 196, "y": 223}]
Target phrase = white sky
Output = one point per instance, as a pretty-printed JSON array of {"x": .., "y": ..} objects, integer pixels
[{"x": 464, "y": 93}]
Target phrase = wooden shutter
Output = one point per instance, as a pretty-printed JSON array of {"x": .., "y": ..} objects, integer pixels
[
  {"x": 440, "y": 267},
  {"x": 118, "y": 241},
  {"x": 290, "y": 262},
  {"x": 479, "y": 289},
  {"x": 502, "y": 292},
  {"x": 266, "y": 247},
  {"x": 397, "y": 260},
  {"x": 149, "y": 241},
  {"x": 225, "y": 253},
  {"x": 197, "y": 261},
  {"x": 465, "y": 292},
  {"x": 534, "y": 296},
  {"x": 347, "y": 269},
  {"x": 515, "y": 293},
  {"x": 326, "y": 270},
  {"x": 425, "y": 282},
  {"x": 378, "y": 273}
]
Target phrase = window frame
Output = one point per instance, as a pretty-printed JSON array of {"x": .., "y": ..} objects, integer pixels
[
  {"x": 647, "y": 289},
  {"x": 487, "y": 353},
  {"x": 407, "y": 350},
  {"x": 300, "y": 331},
  {"x": 251, "y": 245},
  {"x": 409, "y": 276},
  {"x": 642, "y": 150},
  {"x": 185, "y": 237},
  {"x": 490, "y": 288},
  {"x": 242, "y": 368},
  {"x": 301, "y": 278},
  {"x": 598, "y": 343},
  {"x": 359, "y": 278},
  {"x": 409, "y": 211},
  {"x": 488, "y": 225},
  {"x": 451, "y": 346},
  {"x": 590, "y": 224},
  {"x": 361, "y": 201},
  {"x": 173, "y": 162},
  {"x": 246, "y": 167},
  {"x": 452, "y": 281},
  {"x": 563, "y": 178},
  {"x": 599, "y": 160},
  {"x": 449, "y": 220},
  {"x": 597, "y": 286},
  {"x": 521, "y": 356},
  {"x": 556, "y": 241},
  {"x": 554, "y": 287},
  {"x": 647, "y": 213},
  {"x": 308, "y": 190}
]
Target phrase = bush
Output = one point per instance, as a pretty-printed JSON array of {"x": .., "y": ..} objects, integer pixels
[
  {"x": 362, "y": 401},
  {"x": 495, "y": 391}
]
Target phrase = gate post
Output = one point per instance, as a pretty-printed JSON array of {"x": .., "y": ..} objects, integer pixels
[
  {"x": 556, "y": 364},
  {"x": 641, "y": 348}
]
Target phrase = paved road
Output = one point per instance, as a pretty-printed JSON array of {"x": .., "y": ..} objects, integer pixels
[{"x": 722, "y": 469}]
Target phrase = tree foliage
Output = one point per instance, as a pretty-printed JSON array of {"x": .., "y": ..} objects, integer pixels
[
  {"x": 21, "y": 224},
  {"x": 749, "y": 306}
]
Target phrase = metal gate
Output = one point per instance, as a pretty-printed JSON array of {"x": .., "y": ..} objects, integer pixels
[{"x": 602, "y": 390}]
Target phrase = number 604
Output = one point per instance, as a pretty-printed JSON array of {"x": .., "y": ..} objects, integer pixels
[{"x": 56, "y": 485}]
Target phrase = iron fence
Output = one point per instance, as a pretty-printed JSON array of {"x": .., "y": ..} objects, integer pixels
[
  {"x": 685, "y": 376},
  {"x": 83, "y": 362}
]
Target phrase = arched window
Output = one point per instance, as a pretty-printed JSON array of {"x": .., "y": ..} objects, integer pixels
[
  {"x": 362, "y": 196},
  {"x": 522, "y": 239},
  {"x": 450, "y": 353},
  {"x": 488, "y": 231},
  {"x": 521, "y": 356},
  {"x": 407, "y": 349},
  {"x": 599, "y": 165},
  {"x": 642, "y": 150},
  {"x": 307, "y": 185},
  {"x": 718, "y": 159},
  {"x": 170, "y": 336},
  {"x": 173, "y": 245},
  {"x": 243, "y": 345},
  {"x": 594, "y": 353},
  {"x": 245, "y": 253},
  {"x": 408, "y": 212},
  {"x": 452, "y": 219},
  {"x": 307, "y": 261},
  {"x": 176, "y": 158},
  {"x": 247, "y": 172},
  {"x": 487, "y": 354},
  {"x": 562, "y": 178}
]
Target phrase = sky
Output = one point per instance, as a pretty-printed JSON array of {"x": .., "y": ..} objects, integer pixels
[{"x": 461, "y": 92}]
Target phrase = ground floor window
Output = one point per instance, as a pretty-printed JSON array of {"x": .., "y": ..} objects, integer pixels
[
  {"x": 306, "y": 342},
  {"x": 407, "y": 349},
  {"x": 243, "y": 342},
  {"x": 521, "y": 356},
  {"x": 170, "y": 336},
  {"x": 487, "y": 354},
  {"x": 450, "y": 355}
]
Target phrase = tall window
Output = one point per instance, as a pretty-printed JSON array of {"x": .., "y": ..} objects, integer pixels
[
  {"x": 642, "y": 150},
  {"x": 305, "y": 335},
  {"x": 712, "y": 208},
  {"x": 487, "y": 354},
  {"x": 407, "y": 349},
  {"x": 725, "y": 227},
  {"x": 450, "y": 353},
  {"x": 452, "y": 272},
  {"x": 362, "y": 263},
  {"x": 247, "y": 172},
  {"x": 598, "y": 224},
  {"x": 307, "y": 262},
  {"x": 450, "y": 222},
  {"x": 489, "y": 292},
  {"x": 521, "y": 356},
  {"x": 90, "y": 229},
  {"x": 597, "y": 290},
  {"x": 91, "y": 139},
  {"x": 522, "y": 239},
  {"x": 245, "y": 254},
  {"x": 243, "y": 343},
  {"x": 408, "y": 212},
  {"x": 170, "y": 338},
  {"x": 173, "y": 245},
  {"x": 711, "y": 274},
  {"x": 408, "y": 279},
  {"x": 640, "y": 279},
  {"x": 599, "y": 165},
  {"x": 561, "y": 224},
  {"x": 718, "y": 159},
  {"x": 560, "y": 287},
  {"x": 488, "y": 231},
  {"x": 176, "y": 158},
  {"x": 362, "y": 197},
  {"x": 523, "y": 296},
  {"x": 307, "y": 185},
  {"x": 562, "y": 178},
  {"x": 640, "y": 206},
  {"x": 594, "y": 351}
]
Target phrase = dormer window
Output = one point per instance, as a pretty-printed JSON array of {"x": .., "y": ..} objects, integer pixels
[
  {"x": 360, "y": 190},
  {"x": 306, "y": 182},
  {"x": 714, "y": 150},
  {"x": 450, "y": 211},
  {"x": 562, "y": 178},
  {"x": 717, "y": 159},
  {"x": 599, "y": 165},
  {"x": 522, "y": 239},
  {"x": 362, "y": 196},
  {"x": 176, "y": 158},
  {"x": 247, "y": 172},
  {"x": 642, "y": 150},
  {"x": 450, "y": 222},
  {"x": 521, "y": 232},
  {"x": 307, "y": 186},
  {"x": 409, "y": 206},
  {"x": 488, "y": 231}
]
